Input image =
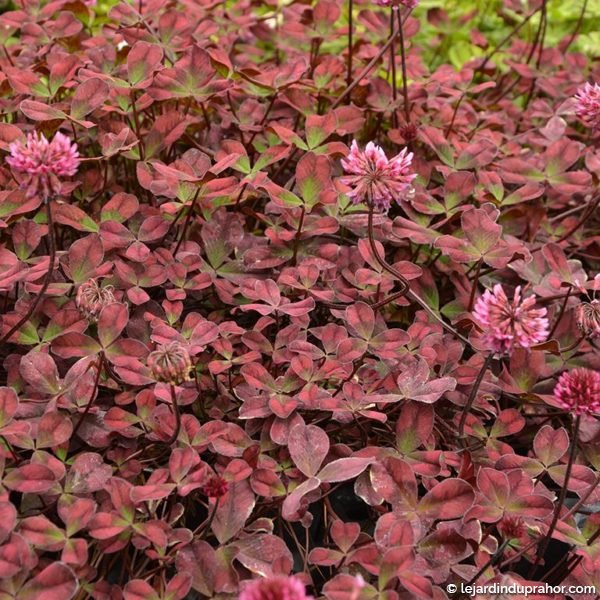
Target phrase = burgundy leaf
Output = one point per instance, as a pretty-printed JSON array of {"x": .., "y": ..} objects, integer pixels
[
  {"x": 308, "y": 446},
  {"x": 57, "y": 580}
]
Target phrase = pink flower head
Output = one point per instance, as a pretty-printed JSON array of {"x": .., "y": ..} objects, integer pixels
[
  {"x": 578, "y": 391},
  {"x": 275, "y": 588},
  {"x": 508, "y": 324},
  {"x": 41, "y": 163},
  {"x": 407, "y": 3},
  {"x": 170, "y": 364},
  {"x": 215, "y": 487},
  {"x": 588, "y": 105},
  {"x": 588, "y": 318},
  {"x": 375, "y": 178},
  {"x": 91, "y": 298}
]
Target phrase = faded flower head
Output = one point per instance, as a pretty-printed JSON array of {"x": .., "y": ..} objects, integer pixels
[
  {"x": 375, "y": 178},
  {"x": 512, "y": 527},
  {"x": 41, "y": 163},
  {"x": 215, "y": 487},
  {"x": 588, "y": 105},
  {"x": 510, "y": 323},
  {"x": 275, "y": 588},
  {"x": 588, "y": 318},
  {"x": 170, "y": 363},
  {"x": 91, "y": 298},
  {"x": 578, "y": 391}
]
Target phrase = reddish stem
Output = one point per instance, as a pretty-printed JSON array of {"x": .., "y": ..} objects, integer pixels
[
  {"x": 48, "y": 277},
  {"x": 177, "y": 414},
  {"x": 350, "y": 41},
  {"x": 404, "y": 75},
  {"x": 88, "y": 406},
  {"x": 473, "y": 394},
  {"x": 561, "y": 499}
]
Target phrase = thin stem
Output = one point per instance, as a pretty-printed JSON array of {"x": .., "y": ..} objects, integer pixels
[
  {"x": 591, "y": 207},
  {"x": 544, "y": 30},
  {"x": 136, "y": 121},
  {"x": 567, "y": 213},
  {"x": 350, "y": 41},
  {"x": 177, "y": 414},
  {"x": 561, "y": 499},
  {"x": 393, "y": 69},
  {"x": 577, "y": 26},
  {"x": 406, "y": 291},
  {"x": 88, "y": 406},
  {"x": 473, "y": 394},
  {"x": 572, "y": 564},
  {"x": 382, "y": 262},
  {"x": 264, "y": 119},
  {"x": 559, "y": 566},
  {"x": 516, "y": 556},
  {"x": 583, "y": 498},
  {"x": 374, "y": 306},
  {"x": 561, "y": 313},
  {"x": 506, "y": 39},
  {"x": 355, "y": 366},
  {"x": 40, "y": 294},
  {"x": 457, "y": 106},
  {"x": 490, "y": 562},
  {"x": 203, "y": 527},
  {"x": 537, "y": 35},
  {"x": 474, "y": 286},
  {"x": 404, "y": 76},
  {"x": 367, "y": 69},
  {"x": 298, "y": 235},
  {"x": 186, "y": 224},
  {"x": 10, "y": 449}
]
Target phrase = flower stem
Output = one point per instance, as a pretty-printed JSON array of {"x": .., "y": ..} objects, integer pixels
[
  {"x": 382, "y": 262},
  {"x": 393, "y": 69},
  {"x": 561, "y": 498},
  {"x": 298, "y": 235},
  {"x": 366, "y": 70},
  {"x": 406, "y": 291},
  {"x": 473, "y": 394},
  {"x": 474, "y": 287},
  {"x": 10, "y": 449},
  {"x": 186, "y": 223},
  {"x": 561, "y": 313},
  {"x": 456, "y": 107},
  {"x": 577, "y": 26},
  {"x": 177, "y": 414},
  {"x": 490, "y": 562},
  {"x": 583, "y": 498},
  {"x": 500, "y": 44},
  {"x": 350, "y": 41},
  {"x": 404, "y": 77},
  {"x": 40, "y": 294},
  {"x": 88, "y": 406},
  {"x": 203, "y": 527}
]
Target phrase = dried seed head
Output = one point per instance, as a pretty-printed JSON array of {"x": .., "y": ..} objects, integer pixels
[
  {"x": 588, "y": 318},
  {"x": 91, "y": 298},
  {"x": 170, "y": 364}
]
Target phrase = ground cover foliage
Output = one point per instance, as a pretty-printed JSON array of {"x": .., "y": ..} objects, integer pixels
[{"x": 298, "y": 298}]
